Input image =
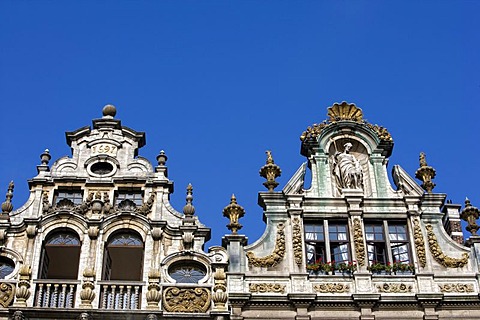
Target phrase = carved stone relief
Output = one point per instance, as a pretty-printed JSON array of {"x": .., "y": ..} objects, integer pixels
[
  {"x": 276, "y": 256},
  {"x": 394, "y": 288},
  {"x": 358, "y": 240},
  {"x": 419, "y": 243},
  {"x": 438, "y": 254},
  {"x": 297, "y": 241},
  {"x": 7, "y": 292},
  {"x": 186, "y": 299},
  {"x": 332, "y": 288},
  {"x": 456, "y": 287},
  {"x": 266, "y": 287}
]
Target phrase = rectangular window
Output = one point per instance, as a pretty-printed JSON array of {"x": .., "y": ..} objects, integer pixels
[
  {"x": 135, "y": 196},
  {"x": 387, "y": 242},
  {"x": 323, "y": 248},
  {"x": 75, "y": 196}
]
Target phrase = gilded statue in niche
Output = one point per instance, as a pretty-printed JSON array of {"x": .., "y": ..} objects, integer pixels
[{"x": 347, "y": 170}]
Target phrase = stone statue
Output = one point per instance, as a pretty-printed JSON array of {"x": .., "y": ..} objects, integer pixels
[
  {"x": 18, "y": 315},
  {"x": 84, "y": 316},
  {"x": 151, "y": 316},
  {"x": 347, "y": 169}
]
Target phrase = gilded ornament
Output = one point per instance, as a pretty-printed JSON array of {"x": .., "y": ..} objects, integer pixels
[
  {"x": 7, "y": 293},
  {"x": 426, "y": 174},
  {"x": 419, "y": 243},
  {"x": 234, "y": 212},
  {"x": 186, "y": 299},
  {"x": 275, "y": 257},
  {"x": 332, "y": 288},
  {"x": 394, "y": 288},
  {"x": 470, "y": 215},
  {"x": 456, "y": 287},
  {"x": 266, "y": 287},
  {"x": 358, "y": 241},
  {"x": 270, "y": 171},
  {"x": 23, "y": 286},
  {"x": 297, "y": 242},
  {"x": 344, "y": 111},
  {"x": 153, "y": 294},
  {"x": 438, "y": 254}
]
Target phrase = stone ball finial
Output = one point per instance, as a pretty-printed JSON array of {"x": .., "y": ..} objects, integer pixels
[{"x": 109, "y": 111}]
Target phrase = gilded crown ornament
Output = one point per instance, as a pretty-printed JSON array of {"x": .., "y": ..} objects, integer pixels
[
  {"x": 470, "y": 215},
  {"x": 270, "y": 171},
  {"x": 7, "y": 206},
  {"x": 234, "y": 212},
  {"x": 426, "y": 174}
]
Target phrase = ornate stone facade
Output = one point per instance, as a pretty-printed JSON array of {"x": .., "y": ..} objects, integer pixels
[{"x": 98, "y": 238}]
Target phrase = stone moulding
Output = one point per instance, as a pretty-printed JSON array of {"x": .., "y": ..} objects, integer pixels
[
  {"x": 297, "y": 242},
  {"x": 276, "y": 256},
  {"x": 419, "y": 243},
  {"x": 358, "y": 240},
  {"x": 331, "y": 288},
  {"x": 456, "y": 287},
  {"x": 438, "y": 254},
  {"x": 186, "y": 299},
  {"x": 266, "y": 287},
  {"x": 394, "y": 288}
]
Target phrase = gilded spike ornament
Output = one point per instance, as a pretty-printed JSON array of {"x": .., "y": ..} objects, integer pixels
[
  {"x": 426, "y": 174},
  {"x": 7, "y": 206},
  {"x": 270, "y": 171},
  {"x": 234, "y": 212},
  {"x": 470, "y": 215}
]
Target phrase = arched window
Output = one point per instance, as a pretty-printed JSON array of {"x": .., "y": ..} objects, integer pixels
[
  {"x": 6, "y": 267},
  {"x": 187, "y": 272},
  {"x": 123, "y": 257},
  {"x": 60, "y": 256}
]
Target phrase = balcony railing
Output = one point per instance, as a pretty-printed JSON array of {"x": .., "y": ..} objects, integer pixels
[
  {"x": 120, "y": 296},
  {"x": 55, "y": 293}
]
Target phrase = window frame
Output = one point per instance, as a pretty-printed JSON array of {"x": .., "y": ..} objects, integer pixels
[
  {"x": 123, "y": 194},
  {"x": 327, "y": 243},
  {"x": 76, "y": 199}
]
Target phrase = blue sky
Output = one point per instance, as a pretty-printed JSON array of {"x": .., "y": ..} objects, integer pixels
[{"x": 216, "y": 83}]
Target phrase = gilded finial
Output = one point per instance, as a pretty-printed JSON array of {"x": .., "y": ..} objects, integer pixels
[
  {"x": 470, "y": 215},
  {"x": 234, "y": 212},
  {"x": 189, "y": 209},
  {"x": 426, "y": 174},
  {"x": 7, "y": 206},
  {"x": 270, "y": 171}
]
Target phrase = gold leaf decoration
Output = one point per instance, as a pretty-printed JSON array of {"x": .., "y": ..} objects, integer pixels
[
  {"x": 345, "y": 111},
  {"x": 438, "y": 254},
  {"x": 266, "y": 287},
  {"x": 332, "y": 288},
  {"x": 297, "y": 241},
  {"x": 186, "y": 299},
  {"x": 276, "y": 256},
  {"x": 419, "y": 243},
  {"x": 7, "y": 293},
  {"x": 456, "y": 287},
  {"x": 358, "y": 240},
  {"x": 394, "y": 288}
]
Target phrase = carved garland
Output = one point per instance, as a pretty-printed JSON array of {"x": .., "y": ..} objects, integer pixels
[
  {"x": 456, "y": 287},
  {"x": 438, "y": 254},
  {"x": 297, "y": 242},
  {"x": 332, "y": 288},
  {"x": 266, "y": 287},
  {"x": 276, "y": 256},
  {"x": 394, "y": 288},
  {"x": 358, "y": 240},
  {"x": 419, "y": 243},
  {"x": 186, "y": 299}
]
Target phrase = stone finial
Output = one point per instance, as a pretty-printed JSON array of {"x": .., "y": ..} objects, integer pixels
[
  {"x": 109, "y": 111},
  {"x": 270, "y": 171},
  {"x": 426, "y": 174},
  {"x": 162, "y": 158},
  {"x": 189, "y": 209},
  {"x": 7, "y": 206},
  {"x": 470, "y": 215},
  {"x": 45, "y": 157},
  {"x": 234, "y": 212}
]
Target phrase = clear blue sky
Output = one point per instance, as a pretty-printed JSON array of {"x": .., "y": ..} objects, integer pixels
[{"x": 216, "y": 83}]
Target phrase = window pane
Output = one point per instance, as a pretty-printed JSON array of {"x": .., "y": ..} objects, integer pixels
[
  {"x": 314, "y": 232},
  {"x": 337, "y": 232},
  {"x": 73, "y": 195},
  {"x": 339, "y": 252},
  {"x": 135, "y": 196}
]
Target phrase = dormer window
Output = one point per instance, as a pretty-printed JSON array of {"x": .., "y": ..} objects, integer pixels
[
  {"x": 136, "y": 196},
  {"x": 74, "y": 195}
]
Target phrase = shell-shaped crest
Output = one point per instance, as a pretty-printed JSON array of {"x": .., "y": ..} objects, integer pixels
[{"x": 345, "y": 111}]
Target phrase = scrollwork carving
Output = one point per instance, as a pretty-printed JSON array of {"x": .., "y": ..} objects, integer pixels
[
  {"x": 332, "y": 288},
  {"x": 358, "y": 240},
  {"x": 7, "y": 292},
  {"x": 419, "y": 243},
  {"x": 394, "y": 288},
  {"x": 297, "y": 241},
  {"x": 276, "y": 256},
  {"x": 186, "y": 299},
  {"x": 456, "y": 287},
  {"x": 266, "y": 287},
  {"x": 438, "y": 254}
]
